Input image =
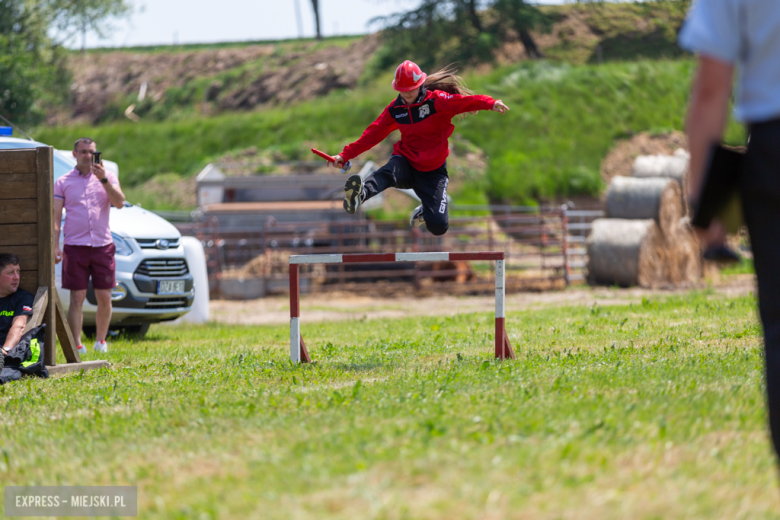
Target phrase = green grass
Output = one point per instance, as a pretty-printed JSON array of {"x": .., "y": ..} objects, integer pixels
[
  {"x": 744, "y": 266},
  {"x": 563, "y": 121},
  {"x": 291, "y": 43},
  {"x": 625, "y": 31},
  {"x": 647, "y": 411}
]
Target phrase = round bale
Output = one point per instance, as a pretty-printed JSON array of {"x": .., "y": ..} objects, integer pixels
[
  {"x": 626, "y": 252},
  {"x": 670, "y": 166},
  {"x": 656, "y": 198}
]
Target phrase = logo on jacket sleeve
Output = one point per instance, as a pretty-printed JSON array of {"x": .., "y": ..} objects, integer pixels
[
  {"x": 27, "y": 309},
  {"x": 425, "y": 110}
]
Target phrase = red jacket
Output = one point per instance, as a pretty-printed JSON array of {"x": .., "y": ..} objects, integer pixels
[{"x": 425, "y": 126}]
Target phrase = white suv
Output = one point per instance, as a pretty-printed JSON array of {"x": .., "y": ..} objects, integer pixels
[{"x": 154, "y": 282}]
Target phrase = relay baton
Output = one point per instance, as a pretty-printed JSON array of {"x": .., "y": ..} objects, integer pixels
[{"x": 344, "y": 169}]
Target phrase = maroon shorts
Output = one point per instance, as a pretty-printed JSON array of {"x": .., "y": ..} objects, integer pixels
[{"x": 79, "y": 262}]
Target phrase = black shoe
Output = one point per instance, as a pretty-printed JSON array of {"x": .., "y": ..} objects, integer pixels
[
  {"x": 354, "y": 194},
  {"x": 417, "y": 217},
  {"x": 721, "y": 255}
]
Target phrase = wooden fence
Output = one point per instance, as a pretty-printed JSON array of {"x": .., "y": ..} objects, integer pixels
[
  {"x": 541, "y": 251},
  {"x": 27, "y": 230}
]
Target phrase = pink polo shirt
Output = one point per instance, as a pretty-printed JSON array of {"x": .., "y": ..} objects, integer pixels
[{"x": 87, "y": 207}]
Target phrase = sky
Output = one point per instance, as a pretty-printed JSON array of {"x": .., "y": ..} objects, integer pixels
[{"x": 203, "y": 21}]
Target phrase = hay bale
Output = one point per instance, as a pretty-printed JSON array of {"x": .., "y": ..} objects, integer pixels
[
  {"x": 669, "y": 166},
  {"x": 626, "y": 252},
  {"x": 686, "y": 261},
  {"x": 656, "y": 198}
]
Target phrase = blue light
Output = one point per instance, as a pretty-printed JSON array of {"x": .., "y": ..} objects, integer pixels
[{"x": 6, "y": 131}]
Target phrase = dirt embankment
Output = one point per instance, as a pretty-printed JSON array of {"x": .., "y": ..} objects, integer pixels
[
  {"x": 240, "y": 78},
  {"x": 100, "y": 78},
  {"x": 311, "y": 76},
  {"x": 271, "y": 73}
]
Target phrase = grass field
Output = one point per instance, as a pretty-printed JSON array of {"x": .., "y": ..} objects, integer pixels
[{"x": 648, "y": 411}]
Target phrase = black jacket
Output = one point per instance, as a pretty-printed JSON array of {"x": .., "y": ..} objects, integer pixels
[{"x": 26, "y": 357}]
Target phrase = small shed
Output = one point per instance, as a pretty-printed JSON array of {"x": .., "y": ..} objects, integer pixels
[{"x": 240, "y": 202}]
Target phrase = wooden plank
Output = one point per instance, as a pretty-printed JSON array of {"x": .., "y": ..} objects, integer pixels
[
  {"x": 28, "y": 256},
  {"x": 18, "y": 190},
  {"x": 23, "y": 211},
  {"x": 18, "y": 186},
  {"x": 29, "y": 281},
  {"x": 241, "y": 207},
  {"x": 68, "y": 344},
  {"x": 18, "y": 161},
  {"x": 45, "y": 219},
  {"x": 39, "y": 308},
  {"x": 77, "y": 367},
  {"x": 18, "y": 235}
]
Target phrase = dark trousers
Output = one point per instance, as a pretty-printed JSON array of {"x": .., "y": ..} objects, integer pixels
[
  {"x": 430, "y": 186},
  {"x": 760, "y": 191}
]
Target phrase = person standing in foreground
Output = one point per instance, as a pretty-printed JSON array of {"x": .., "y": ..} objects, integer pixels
[
  {"x": 87, "y": 193},
  {"x": 744, "y": 34},
  {"x": 423, "y": 113}
]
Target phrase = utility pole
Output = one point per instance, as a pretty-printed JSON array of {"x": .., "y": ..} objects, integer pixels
[{"x": 298, "y": 18}]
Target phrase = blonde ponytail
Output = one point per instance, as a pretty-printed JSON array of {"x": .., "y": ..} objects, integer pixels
[{"x": 446, "y": 81}]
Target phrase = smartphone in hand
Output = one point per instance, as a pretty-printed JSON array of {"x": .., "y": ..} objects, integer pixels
[{"x": 96, "y": 157}]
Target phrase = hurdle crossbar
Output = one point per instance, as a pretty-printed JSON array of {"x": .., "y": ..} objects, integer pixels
[{"x": 298, "y": 352}]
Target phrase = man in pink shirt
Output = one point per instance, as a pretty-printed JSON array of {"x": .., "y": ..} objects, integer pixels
[{"x": 87, "y": 193}]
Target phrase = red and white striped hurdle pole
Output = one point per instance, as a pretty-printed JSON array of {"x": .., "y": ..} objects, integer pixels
[{"x": 298, "y": 351}]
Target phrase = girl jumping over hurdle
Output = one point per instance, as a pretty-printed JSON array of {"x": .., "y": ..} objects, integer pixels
[{"x": 423, "y": 112}]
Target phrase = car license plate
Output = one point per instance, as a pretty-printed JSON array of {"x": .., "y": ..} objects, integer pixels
[{"x": 170, "y": 287}]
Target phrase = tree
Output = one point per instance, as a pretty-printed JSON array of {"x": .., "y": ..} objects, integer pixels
[
  {"x": 31, "y": 68},
  {"x": 315, "y": 5},
  {"x": 520, "y": 16},
  {"x": 443, "y": 31},
  {"x": 33, "y": 72}
]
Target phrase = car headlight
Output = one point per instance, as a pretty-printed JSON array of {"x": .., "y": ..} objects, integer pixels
[
  {"x": 119, "y": 292},
  {"x": 122, "y": 246}
]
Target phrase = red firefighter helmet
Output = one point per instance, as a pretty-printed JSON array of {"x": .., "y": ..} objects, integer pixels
[{"x": 408, "y": 76}]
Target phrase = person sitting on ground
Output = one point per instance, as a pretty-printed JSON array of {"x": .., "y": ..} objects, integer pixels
[{"x": 15, "y": 305}]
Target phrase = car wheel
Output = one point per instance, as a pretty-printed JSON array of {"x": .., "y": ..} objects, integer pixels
[
  {"x": 89, "y": 331},
  {"x": 136, "y": 331}
]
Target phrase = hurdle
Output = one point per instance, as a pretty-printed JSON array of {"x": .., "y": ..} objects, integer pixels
[{"x": 298, "y": 352}]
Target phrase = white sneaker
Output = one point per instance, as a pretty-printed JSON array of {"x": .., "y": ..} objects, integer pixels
[
  {"x": 100, "y": 346},
  {"x": 81, "y": 350}
]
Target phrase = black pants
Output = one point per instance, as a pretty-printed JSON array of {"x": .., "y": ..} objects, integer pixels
[
  {"x": 430, "y": 186},
  {"x": 760, "y": 191}
]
